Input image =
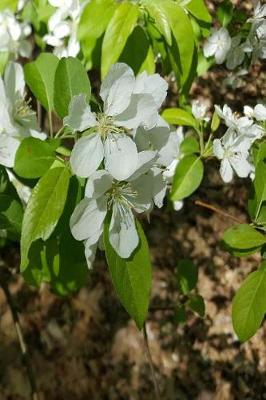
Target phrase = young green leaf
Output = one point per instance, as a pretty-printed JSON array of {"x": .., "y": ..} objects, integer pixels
[
  {"x": 249, "y": 304},
  {"x": 199, "y": 10},
  {"x": 190, "y": 145},
  {"x": 44, "y": 209},
  {"x": 157, "y": 13},
  {"x": 40, "y": 77},
  {"x": 8, "y": 4},
  {"x": 196, "y": 304},
  {"x": 260, "y": 187},
  {"x": 131, "y": 277},
  {"x": 33, "y": 158},
  {"x": 117, "y": 33},
  {"x": 243, "y": 237},
  {"x": 225, "y": 13},
  {"x": 188, "y": 177},
  {"x": 177, "y": 116},
  {"x": 187, "y": 275},
  {"x": 71, "y": 79}
]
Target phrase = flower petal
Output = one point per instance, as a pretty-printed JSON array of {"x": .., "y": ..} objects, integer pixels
[
  {"x": 87, "y": 155},
  {"x": 153, "y": 85},
  {"x": 226, "y": 171},
  {"x": 87, "y": 219},
  {"x": 8, "y": 149},
  {"x": 14, "y": 82},
  {"x": 146, "y": 160},
  {"x": 117, "y": 88},
  {"x": 121, "y": 156},
  {"x": 80, "y": 117},
  {"x": 218, "y": 150},
  {"x": 123, "y": 234},
  {"x": 98, "y": 184}
]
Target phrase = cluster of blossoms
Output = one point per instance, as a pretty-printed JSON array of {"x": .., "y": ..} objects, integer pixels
[
  {"x": 63, "y": 26},
  {"x": 13, "y": 34},
  {"x": 233, "y": 50},
  {"x": 233, "y": 149},
  {"x": 128, "y": 154},
  {"x": 17, "y": 118}
]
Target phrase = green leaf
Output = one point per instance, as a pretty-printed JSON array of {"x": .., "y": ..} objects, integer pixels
[
  {"x": 33, "y": 158},
  {"x": 158, "y": 14},
  {"x": 177, "y": 116},
  {"x": 188, "y": 177},
  {"x": 184, "y": 40},
  {"x": 44, "y": 209},
  {"x": 196, "y": 304},
  {"x": 131, "y": 277},
  {"x": 3, "y": 61},
  {"x": 10, "y": 4},
  {"x": 225, "y": 13},
  {"x": 40, "y": 77},
  {"x": 117, "y": 33},
  {"x": 71, "y": 79},
  {"x": 180, "y": 314},
  {"x": 199, "y": 10},
  {"x": 243, "y": 237},
  {"x": 249, "y": 304},
  {"x": 260, "y": 187},
  {"x": 137, "y": 51},
  {"x": 190, "y": 145},
  {"x": 187, "y": 275},
  {"x": 11, "y": 213}
]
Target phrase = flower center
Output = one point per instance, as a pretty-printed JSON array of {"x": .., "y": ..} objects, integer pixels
[
  {"x": 106, "y": 126},
  {"x": 122, "y": 193}
]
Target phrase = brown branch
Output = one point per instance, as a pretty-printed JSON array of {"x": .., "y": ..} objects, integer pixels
[
  {"x": 148, "y": 352},
  {"x": 218, "y": 211},
  {"x": 22, "y": 343}
]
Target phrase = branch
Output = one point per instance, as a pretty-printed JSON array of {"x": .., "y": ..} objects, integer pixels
[
  {"x": 148, "y": 352},
  {"x": 23, "y": 347},
  {"x": 218, "y": 211}
]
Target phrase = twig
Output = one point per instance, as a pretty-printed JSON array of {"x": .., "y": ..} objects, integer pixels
[
  {"x": 39, "y": 114},
  {"x": 154, "y": 379},
  {"x": 218, "y": 211},
  {"x": 23, "y": 347}
]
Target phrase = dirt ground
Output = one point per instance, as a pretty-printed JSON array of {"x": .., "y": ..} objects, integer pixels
[{"x": 86, "y": 347}]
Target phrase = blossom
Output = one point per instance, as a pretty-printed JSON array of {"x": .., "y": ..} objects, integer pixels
[
  {"x": 199, "y": 110},
  {"x": 232, "y": 120},
  {"x": 233, "y": 151},
  {"x": 217, "y": 45},
  {"x": 17, "y": 120},
  {"x": 13, "y": 35},
  {"x": 62, "y": 27},
  {"x": 259, "y": 112},
  {"x": 104, "y": 194},
  {"x": 128, "y": 103}
]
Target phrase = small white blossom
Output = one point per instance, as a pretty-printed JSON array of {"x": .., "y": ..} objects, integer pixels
[
  {"x": 199, "y": 110},
  {"x": 13, "y": 35},
  {"x": 218, "y": 45},
  {"x": 129, "y": 103},
  {"x": 17, "y": 118},
  {"x": 259, "y": 112}
]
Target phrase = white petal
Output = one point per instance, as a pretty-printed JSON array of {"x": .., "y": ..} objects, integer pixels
[
  {"x": 218, "y": 149},
  {"x": 87, "y": 219},
  {"x": 90, "y": 253},
  {"x": 14, "y": 81},
  {"x": 8, "y": 149},
  {"x": 98, "y": 184},
  {"x": 62, "y": 30},
  {"x": 153, "y": 85},
  {"x": 241, "y": 165},
  {"x": 260, "y": 112},
  {"x": 123, "y": 235},
  {"x": 146, "y": 160},
  {"x": 117, "y": 88},
  {"x": 80, "y": 117},
  {"x": 209, "y": 48},
  {"x": 159, "y": 187},
  {"x": 87, "y": 155},
  {"x": 226, "y": 171},
  {"x": 178, "y": 205},
  {"x": 143, "y": 188},
  {"x": 121, "y": 156},
  {"x": 142, "y": 110}
]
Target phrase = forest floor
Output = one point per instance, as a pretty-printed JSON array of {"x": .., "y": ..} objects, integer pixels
[{"x": 86, "y": 347}]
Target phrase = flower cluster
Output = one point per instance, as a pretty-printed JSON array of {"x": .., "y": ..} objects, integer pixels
[
  {"x": 62, "y": 27},
  {"x": 233, "y": 149},
  {"x": 233, "y": 50},
  {"x": 17, "y": 118},
  {"x": 13, "y": 35},
  {"x": 128, "y": 154}
]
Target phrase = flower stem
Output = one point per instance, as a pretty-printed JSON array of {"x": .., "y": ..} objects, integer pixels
[
  {"x": 148, "y": 352},
  {"x": 218, "y": 211}
]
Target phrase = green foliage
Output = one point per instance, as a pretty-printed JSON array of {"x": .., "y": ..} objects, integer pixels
[
  {"x": 159, "y": 17},
  {"x": 225, "y": 12},
  {"x": 117, "y": 33},
  {"x": 244, "y": 239},
  {"x": 187, "y": 275},
  {"x": 188, "y": 177},
  {"x": 44, "y": 209},
  {"x": 199, "y": 10},
  {"x": 249, "y": 304},
  {"x": 40, "y": 77},
  {"x": 131, "y": 277},
  {"x": 70, "y": 80},
  {"x": 177, "y": 116},
  {"x": 196, "y": 303},
  {"x": 10, "y": 4},
  {"x": 33, "y": 158},
  {"x": 190, "y": 145}
]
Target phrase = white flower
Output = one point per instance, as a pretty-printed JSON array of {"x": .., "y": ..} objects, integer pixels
[
  {"x": 199, "y": 110},
  {"x": 128, "y": 104},
  {"x": 259, "y": 12},
  {"x": 233, "y": 151},
  {"x": 259, "y": 112},
  {"x": 217, "y": 45},
  {"x": 232, "y": 120},
  {"x": 103, "y": 194},
  {"x": 13, "y": 35},
  {"x": 17, "y": 120}
]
